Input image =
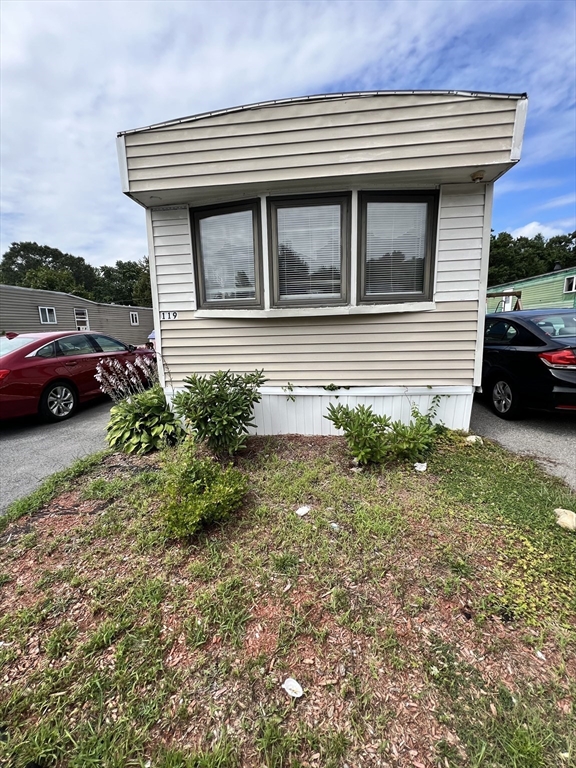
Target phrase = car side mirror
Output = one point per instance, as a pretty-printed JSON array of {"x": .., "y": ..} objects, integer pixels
[{"x": 131, "y": 348}]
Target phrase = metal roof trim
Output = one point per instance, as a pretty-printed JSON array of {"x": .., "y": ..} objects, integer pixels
[{"x": 320, "y": 97}]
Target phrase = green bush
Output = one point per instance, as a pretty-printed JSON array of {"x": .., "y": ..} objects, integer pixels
[
  {"x": 374, "y": 439},
  {"x": 143, "y": 422},
  {"x": 198, "y": 491},
  {"x": 219, "y": 408},
  {"x": 366, "y": 432}
]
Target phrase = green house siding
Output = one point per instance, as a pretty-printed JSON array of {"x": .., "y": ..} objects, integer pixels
[{"x": 543, "y": 291}]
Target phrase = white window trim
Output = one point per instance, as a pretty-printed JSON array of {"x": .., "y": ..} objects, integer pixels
[
  {"x": 134, "y": 319},
  {"x": 77, "y": 321},
  {"x": 566, "y": 283},
  {"x": 47, "y": 321}
]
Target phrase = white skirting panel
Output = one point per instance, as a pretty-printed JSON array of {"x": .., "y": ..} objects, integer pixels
[{"x": 302, "y": 410}]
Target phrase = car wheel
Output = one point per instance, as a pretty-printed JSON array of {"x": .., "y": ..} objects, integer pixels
[
  {"x": 504, "y": 399},
  {"x": 59, "y": 401}
]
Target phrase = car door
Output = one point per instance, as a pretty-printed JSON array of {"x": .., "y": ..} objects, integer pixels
[
  {"x": 510, "y": 349},
  {"x": 77, "y": 360}
]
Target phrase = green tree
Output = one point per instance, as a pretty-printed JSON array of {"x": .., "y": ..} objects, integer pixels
[
  {"x": 124, "y": 281},
  {"x": 29, "y": 264},
  {"x": 514, "y": 258}
]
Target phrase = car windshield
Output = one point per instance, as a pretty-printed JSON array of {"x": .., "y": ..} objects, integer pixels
[
  {"x": 10, "y": 345},
  {"x": 561, "y": 324}
]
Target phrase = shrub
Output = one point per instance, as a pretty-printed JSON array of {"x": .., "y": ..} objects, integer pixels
[
  {"x": 143, "y": 422},
  {"x": 198, "y": 491},
  {"x": 366, "y": 432},
  {"x": 219, "y": 408},
  {"x": 374, "y": 439}
]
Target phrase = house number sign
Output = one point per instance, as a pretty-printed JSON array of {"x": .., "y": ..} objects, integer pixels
[{"x": 168, "y": 315}]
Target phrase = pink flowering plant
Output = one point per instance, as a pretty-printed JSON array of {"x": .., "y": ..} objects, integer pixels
[{"x": 121, "y": 380}]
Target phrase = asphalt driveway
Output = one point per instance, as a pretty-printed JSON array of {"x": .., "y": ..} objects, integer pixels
[{"x": 31, "y": 450}]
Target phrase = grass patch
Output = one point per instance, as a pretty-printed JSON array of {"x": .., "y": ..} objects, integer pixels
[{"x": 429, "y": 618}]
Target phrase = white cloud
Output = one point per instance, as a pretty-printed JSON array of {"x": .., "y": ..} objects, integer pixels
[
  {"x": 77, "y": 71},
  {"x": 546, "y": 230},
  {"x": 560, "y": 202}
]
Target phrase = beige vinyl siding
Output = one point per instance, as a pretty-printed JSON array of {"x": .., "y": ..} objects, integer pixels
[
  {"x": 172, "y": 248},
  {"x": 428, "y": 348},
  {"x": 352, "y": 136},
  {"x": 460, "y": 234},
  {"x": 19, "y": 313}
]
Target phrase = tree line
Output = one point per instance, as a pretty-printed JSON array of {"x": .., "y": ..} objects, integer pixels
[
  {"x": 514, "y": 258},
  {"x": 38, "y": 266}
]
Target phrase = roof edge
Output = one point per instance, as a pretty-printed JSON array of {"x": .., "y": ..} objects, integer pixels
[
  {"x": 73, "y": 296},
  {"x": 320, "y": 97}
]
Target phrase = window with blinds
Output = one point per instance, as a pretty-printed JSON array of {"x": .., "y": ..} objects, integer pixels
[
  {"x": 228, "y": 255},
  {"x": 396, "y": 246},
  {"x": 309, "y": 248}
]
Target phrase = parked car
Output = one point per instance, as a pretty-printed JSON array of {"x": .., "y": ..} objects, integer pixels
[
  {"x": 530, "y": 361},
  {"x": 51, "y": 373}
]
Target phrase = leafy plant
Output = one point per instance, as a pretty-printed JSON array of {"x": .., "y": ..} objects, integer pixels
[
  {"x": 365, "y": 431},
  {"x": 374, "y": 439},
  {"x": 198, "y": 491},
  {"x": 143, "y": 422},
  {"x": 219, "y": 408}
]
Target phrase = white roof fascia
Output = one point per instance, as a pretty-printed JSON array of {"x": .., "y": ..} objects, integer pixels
[
  {"x": 322, "y": 97},
  {"x": 123, "y": 162},
  {"x": 519, "y": 125}
]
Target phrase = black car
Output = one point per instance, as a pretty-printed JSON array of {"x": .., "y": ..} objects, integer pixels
[{"x": 530, "y": 361}]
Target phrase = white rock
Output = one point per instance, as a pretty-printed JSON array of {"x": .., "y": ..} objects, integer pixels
[
  {"x": 301, "y": 511},
  {"x": 292, "y": 688},
  {"x": 566, "y": 518},
  {"x": 474, "y": 439},
  {"x": 421, "y": 467}
]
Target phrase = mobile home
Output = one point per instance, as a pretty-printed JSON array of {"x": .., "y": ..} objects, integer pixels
[{"x": 339, "y": 242}]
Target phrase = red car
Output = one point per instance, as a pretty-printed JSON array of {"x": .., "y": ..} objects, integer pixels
[{"x": 51, "y": 373}]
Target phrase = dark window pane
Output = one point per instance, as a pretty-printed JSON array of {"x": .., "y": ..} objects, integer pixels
[
  {"x": 107, "y": 344},
  {"x": 76, "y": 345},
  {"x": 48, "y": 351},
  {"x": 395, "y": 247},
  {"x": 228, "y": 256},
  {"x": 309, "y": 251}
]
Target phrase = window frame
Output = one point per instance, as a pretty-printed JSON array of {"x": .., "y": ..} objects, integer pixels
[
  {"x": 196, "y": 215},
  {"x": 77, "y": 320},
  {"x": 431, "y": 198},
  {"x": 134, "y": 319},
  {"x": 567, "y": 282},
  {"x": 47, "y": 321},
  {"x": 302, "y": 201}
]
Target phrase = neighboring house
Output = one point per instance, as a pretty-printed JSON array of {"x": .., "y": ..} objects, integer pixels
[
  {"x": 27, "y": 309},
  {"x": 333, "y": 241},
  {"x": 553, "y": 289}
]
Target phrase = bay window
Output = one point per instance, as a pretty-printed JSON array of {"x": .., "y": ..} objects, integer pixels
[{"x": 309, "y": 252}]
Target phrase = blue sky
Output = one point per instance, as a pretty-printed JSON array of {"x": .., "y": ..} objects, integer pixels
[{"x": 74, "y": 72}]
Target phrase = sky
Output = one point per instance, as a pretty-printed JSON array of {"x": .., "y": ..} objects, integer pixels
[{"x": 75, "y": 72}]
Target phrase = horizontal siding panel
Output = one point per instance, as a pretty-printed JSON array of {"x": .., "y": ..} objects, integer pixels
[
  {"x": 322, "y": 145},
  {"x": 454, "y": 199},
  {"x": 355, "y": 112},
  {"x": 309, "y": 157},
  {"x": 169, "y": 269},
  {"x": 173, "y": 250},
  {"x": 318, "y": 343},
  {"x": 340, "y": 169},
  {"x": 297, "y": 134},
  {"x": 468, "y": 276},
  {"x": 461, "y": 211},
  {"x": 169, "y": 228},
  {"x": 333, "y": 357},
  {"x": 183, "y": 239},
  {"x": 461, "y": 222},
  {"x": 455, "y": 234},
  {"x": 473, "y": 244}
]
